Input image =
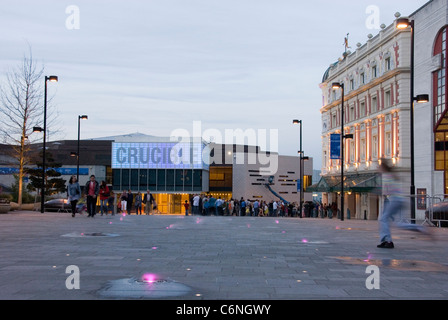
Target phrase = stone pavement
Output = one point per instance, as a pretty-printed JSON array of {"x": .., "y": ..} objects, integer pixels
[{"x": 213, "y": 258}]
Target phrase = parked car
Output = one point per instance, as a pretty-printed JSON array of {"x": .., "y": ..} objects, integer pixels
[
  {"x": 439, "y": 212},
  {"x": 63, "y": 205},
  {"x": 57, "y": 205}
]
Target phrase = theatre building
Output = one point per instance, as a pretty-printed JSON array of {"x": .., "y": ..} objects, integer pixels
[
  {"x": 377, "y": 114},
  {"x": 175, "y": 171}
]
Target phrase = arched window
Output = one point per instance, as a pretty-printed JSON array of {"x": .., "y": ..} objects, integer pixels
[
  {"x": 439, "y": 83},
  {"x": 440, "y": 105}
]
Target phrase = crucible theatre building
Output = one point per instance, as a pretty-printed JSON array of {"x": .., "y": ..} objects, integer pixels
[{"x": 174, "y": 171}]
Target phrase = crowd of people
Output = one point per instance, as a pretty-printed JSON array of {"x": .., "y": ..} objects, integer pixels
[
  {"x": 198, "y": 204},
  {"x": 209, "y": 205}
]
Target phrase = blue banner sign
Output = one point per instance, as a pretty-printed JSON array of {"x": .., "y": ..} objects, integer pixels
[{"x": 335, "y": 146}]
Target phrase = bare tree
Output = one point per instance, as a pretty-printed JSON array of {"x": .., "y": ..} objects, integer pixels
[{"x": 21, "y": 109}]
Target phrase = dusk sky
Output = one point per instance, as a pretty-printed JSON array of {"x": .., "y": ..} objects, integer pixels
[{"x": 156, "y": 66}]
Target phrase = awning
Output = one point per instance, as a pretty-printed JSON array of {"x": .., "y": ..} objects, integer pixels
[{"x": 366, "y": 182}]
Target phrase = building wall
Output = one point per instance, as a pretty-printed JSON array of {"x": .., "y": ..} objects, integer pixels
[
  {"x": 429, "y": 20},
  {"x": 376, "y": 79},
  {"x": 249, "y": 180}
]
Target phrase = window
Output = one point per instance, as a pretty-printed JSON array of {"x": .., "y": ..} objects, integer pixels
[
  {"x": 375, "y": 147},
  {"x": 387, "y": 64},
  {"x": 363, "y": 149},
  {"x": 152, "y": 178},
  {"x": 440, "y": 79},
  {"x": 352, "y": 84},
  {"x": 440, "y": 107},
  {"x": 143, "y": 179},
  {"x": 374, "y": 105},
  {"x": 387, "y": 99},
  {"x": 362, "y": 109},
  {"x": 170, "y": 180},
  {"x": 362, "y": 78},
  {"x": 134, "y": 179},
  {"x": 352, "y": 113},
  {"x": 374, "y": 72},
  {"x": 388, "y": 144},
  {"x": 197, "y": 180},
  {"x": 125, "y": 175},
  {"x": 161, "y": 180},
  {"x": 352, "y": 151}
]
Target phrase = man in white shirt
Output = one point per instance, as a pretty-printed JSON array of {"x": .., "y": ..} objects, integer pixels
[
  {"x": 196, "y": 204},
  {"x": 274, "y": 206}
]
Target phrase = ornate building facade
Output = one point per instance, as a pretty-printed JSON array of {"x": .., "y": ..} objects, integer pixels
[{"x": 376, "y": 79}]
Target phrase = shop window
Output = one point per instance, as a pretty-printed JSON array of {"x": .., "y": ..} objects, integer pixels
[
  {"x": 134, "y": 179},
  {"x": 143, "y": 179},
  {"x": 197, "y": 180},
  {"x": 161, "y": 184},
  {"x": 169, "y": 180},
  {"x": 152, "y": 179},
  {"x": 125, "y": 175},
  {"x": 116, "y": 177}
]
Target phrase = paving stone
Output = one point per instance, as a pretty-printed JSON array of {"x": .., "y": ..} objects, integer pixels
[{"x": 240, "y": 258}]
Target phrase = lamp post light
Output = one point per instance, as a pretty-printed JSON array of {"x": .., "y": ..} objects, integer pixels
[
  {"x": 83, "y": 117},
  {"x": 51, "y": 79},
  {"x": 336, "y": 86},
  {"x": 403, "y": 23},
  {"x": 301, "y": 164}
]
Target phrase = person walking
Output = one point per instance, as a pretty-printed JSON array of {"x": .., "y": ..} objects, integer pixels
[
  {"x": 392, "y": 209},
  {"x": 186, "y": 205},
  {"x": 242, "y": 207},
  {"x": 138, "y": 204},
  {"x": 73, "y": 193},
  {"x": 130, "y": 200},
  {"x": 104, "y": 196},
  {"x": 124, "y": 202},
  {"x": 92, "y": 189},
  {"x": 148, "y": 200},
  {"x": 196, "y": 200}
]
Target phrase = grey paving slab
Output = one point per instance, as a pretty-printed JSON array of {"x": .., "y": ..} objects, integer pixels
[{"x": 216, "y": 258}]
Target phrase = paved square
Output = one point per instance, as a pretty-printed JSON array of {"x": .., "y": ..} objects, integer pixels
[{"x": 213, "y": 258}]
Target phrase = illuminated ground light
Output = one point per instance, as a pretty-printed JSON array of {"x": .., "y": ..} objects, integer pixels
[{"x": 149, "y": 286}]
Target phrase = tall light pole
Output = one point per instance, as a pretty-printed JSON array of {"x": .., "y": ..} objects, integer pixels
[
  {"x": 42, "y": 202},
  {"x": 335, "y": 86},
  {"x": 83, "y": 117},
  {"x": 301, "y": 162},
  {"x": 403, "y": 23}
]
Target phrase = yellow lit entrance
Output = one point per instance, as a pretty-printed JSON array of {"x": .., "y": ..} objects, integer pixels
[{"x": 170, "y": 203}]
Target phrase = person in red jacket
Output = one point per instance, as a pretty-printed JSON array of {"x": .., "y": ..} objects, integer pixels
[
  {"x": 186, "y": 205},
  {"x": 104, "y": 196}
]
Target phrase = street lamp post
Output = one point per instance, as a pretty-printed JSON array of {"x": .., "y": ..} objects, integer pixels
[
  {"x": 404, "y": 23},
  {"x": 301, "y": 164},
  {"x": 337, "y": 85},
  {"x": 83, "y": 117},
  {"x": 51, "y": 79}
]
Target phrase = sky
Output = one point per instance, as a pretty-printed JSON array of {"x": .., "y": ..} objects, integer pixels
[{"x": 159, "y": 66}]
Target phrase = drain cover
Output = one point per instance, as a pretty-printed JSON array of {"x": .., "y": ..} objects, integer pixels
[
  {"x": 139, "y": 289},
  {"x": 89, "y": 235}
]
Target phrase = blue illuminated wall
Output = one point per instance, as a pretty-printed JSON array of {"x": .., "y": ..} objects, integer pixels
[{"x": 158, "y": 156}]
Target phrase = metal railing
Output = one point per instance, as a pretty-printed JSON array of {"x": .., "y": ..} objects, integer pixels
[
  {"x": 429, "y": 210},
  {"x": 436, "y": 213}
]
